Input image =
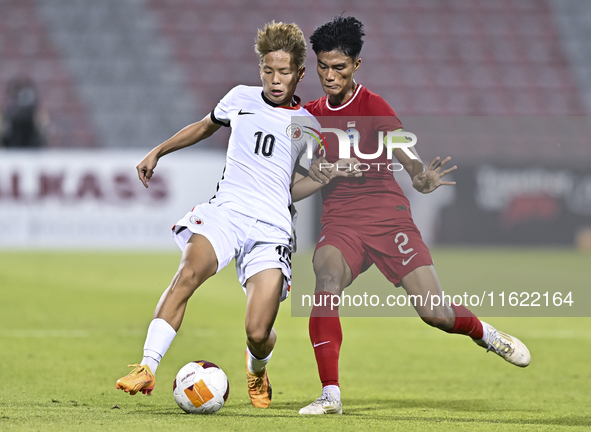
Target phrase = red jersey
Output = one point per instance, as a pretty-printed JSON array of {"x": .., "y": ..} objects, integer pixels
[{"x": 376, "y": 197}]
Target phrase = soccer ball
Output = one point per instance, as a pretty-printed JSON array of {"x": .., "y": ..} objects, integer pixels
[{"x": 201, "y": 387}]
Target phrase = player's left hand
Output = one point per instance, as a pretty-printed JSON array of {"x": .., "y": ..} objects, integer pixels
[
  {"x": 346, "y": 168},
  {"x": 323, "y": 172},
  {"x": 316, "y": 172},
  {"x": 430, "y": 179}
]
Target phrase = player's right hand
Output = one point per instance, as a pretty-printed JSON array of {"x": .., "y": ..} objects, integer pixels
[{"x": 145, "y": 168}]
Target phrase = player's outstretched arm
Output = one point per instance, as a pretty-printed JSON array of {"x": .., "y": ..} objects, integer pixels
[
  {"x": 412, "y": 166},
  {"x": 430, "y": 179},
  {"x": 186, "y": 137},
  {"x": 424, "y": 180},
  {"x": 303, "y": 187}
]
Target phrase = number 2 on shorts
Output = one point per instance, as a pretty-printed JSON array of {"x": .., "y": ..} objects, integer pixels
[{"x": 404, "y": 242}]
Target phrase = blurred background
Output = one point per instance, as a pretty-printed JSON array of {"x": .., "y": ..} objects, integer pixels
[{"x": 88, "y": 87}]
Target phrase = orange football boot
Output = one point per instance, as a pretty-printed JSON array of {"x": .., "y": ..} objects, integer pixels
[
  {"x": 259, "y": 387},
  {"x": 140, "y": 378}
]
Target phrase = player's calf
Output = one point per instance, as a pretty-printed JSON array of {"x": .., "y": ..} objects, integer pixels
[{"x": 440, "y": 322}]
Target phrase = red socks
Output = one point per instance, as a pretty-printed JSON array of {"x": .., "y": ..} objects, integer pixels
[
  {"x": 466, "y": 323},
  {"x": 326, "y": 334},
  {"x": 326, "y": 337}
]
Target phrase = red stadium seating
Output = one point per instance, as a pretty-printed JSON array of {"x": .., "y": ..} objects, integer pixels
[
  {"x": 418, "y": 53},
  {"x": 425, "y": 57}
]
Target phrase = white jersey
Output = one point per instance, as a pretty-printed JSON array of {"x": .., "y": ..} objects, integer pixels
[{"x": 261, "y": 155}]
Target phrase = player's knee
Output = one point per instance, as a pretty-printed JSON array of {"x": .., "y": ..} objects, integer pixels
[
  {"x": 257, "y": 336},
  {"x": 443, "y": 323},
  {"x": 329, "y": 280},
  {"x": 188, "y": 280}
]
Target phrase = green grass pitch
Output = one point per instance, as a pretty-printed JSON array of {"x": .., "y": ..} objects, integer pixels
[{"x": 71, "y": 322}]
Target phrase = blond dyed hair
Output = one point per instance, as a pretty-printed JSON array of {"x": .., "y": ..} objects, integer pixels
[{"x": 281, "y": 37}]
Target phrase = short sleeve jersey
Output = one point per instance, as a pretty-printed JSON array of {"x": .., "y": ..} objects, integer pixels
[
  {"x": 261, "y": 155},
  {"x": 365, "y": 114}
]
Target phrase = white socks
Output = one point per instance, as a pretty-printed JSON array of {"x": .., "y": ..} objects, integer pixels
[
  {"x": 256, "y": 365},
  {"x": 485, "y": 333},
  {"x": 159, "y": 338},
  {"x": 334, "y": 391}
]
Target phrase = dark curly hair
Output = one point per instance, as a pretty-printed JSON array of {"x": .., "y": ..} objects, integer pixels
[{"x": 342, "y": 34}]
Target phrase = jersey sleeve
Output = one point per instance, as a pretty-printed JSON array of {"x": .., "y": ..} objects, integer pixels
[
  {"x": 221, "y": 113},
  {"x": 311, "y": 107},
  {"x": 384, "y": 117},
  {"x": 308, "y": 152},
  {"x": 303, "y": 164}
]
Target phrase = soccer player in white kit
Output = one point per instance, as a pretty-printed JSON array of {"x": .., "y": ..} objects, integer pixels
[{"x": 248, "y": 218}]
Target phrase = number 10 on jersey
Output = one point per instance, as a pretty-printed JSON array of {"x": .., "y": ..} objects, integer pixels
[{"x": 268, "y": 144}]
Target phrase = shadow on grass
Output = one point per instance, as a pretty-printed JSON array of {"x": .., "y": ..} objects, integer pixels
[
  {"x": 458, "y": 411},
  {"x": 469, "y": 405},
  {"x": 558, "y": 421},
  {"x": 480, "y": 408}
]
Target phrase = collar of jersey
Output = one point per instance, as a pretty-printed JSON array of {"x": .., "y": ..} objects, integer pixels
[
  {"x": 347, "y": 103},
  {"x": 297, "y": 100}
]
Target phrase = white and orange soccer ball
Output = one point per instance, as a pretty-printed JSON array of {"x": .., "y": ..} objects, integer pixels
[{"x": 201, "y": 387}]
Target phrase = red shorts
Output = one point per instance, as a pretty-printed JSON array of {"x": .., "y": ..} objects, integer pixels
[{"x": 395, "y": 247}]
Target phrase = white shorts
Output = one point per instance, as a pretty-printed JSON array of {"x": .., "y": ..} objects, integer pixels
[{"x": 255, "y": 244}]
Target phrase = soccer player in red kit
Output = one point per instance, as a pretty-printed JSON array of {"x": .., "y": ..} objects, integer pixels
[{"x": 353, "y": 238}]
